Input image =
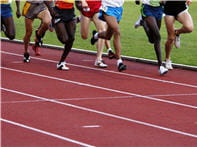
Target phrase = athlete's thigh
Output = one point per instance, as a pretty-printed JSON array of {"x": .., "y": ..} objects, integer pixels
[
  {"x": 28, "y": 25},
  {"x": 112, "y": 22},
  {"x": 100, "y": 25},
  {"x": 185, "y": 19},
  {"x": 71, "y": 29},
  {"x": 45, "y": 16},
  {"x": 169, "y": 22},
  {"x": 84, "y": 25},
  {"x": 61, "y": 32}
]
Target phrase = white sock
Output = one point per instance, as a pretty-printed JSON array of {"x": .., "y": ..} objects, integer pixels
[
  {"x": 119, "y": 61},
  {"x": 96, "y": 35},
  {"x": 109, "y": 49}
]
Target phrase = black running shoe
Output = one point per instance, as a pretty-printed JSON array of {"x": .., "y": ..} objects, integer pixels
[
  {"x": 26, "y": 58},
  {"x": 39, "y": 41},
  {"x": 93, "y": 40},
  {"x": 111, "y": 54},
  {"x": 3, "y": 28},
  {"x": 122, "y": 67}
]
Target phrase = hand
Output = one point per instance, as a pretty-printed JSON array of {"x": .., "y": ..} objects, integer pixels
[{"x": 18, "y": 14}]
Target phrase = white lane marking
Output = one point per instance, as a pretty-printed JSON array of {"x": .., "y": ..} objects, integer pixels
[
  {"x": 97, "y": 98},
  {"x": 46, "y": 133},
  {"x": 91, "y": 126},
  {"x": 105, "y": 114},
  {"x": 102, "y": 88},
  {"x": 17, "y": 62},
  {"x": 110, "y": 71}
]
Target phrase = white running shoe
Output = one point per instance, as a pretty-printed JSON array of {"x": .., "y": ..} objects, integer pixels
[
  {"x": 138, "y": 23},
  {"x": 162, "y": 70},
  {"x": 177, "y": 41},
  {"x": 100, "y": 63},
  {"x": 169, "y": 64},
  {"x": 62, "y": 66}
]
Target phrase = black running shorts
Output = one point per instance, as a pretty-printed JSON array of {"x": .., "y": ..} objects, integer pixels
[{"x": 173, "y": 8}]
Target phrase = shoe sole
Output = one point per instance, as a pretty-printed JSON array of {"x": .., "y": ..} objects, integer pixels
[
  {"x": 36, "y": 52},
  {"x": 122, "y": 67},
  {"x": 163, "y": 73}
]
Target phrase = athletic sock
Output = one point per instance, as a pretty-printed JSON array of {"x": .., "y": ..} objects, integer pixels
[{"x": 119, "y": 61}]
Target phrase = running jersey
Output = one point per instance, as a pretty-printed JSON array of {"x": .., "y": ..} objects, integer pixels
[
  {"x": 64, "y": 4},
  {"x": 35, "y": 1},
  {"x": 154, "y": 3},
  {"x": 112, "y": 3},
  {"x": 5, "y": 1},
  {"x": 93, "y": 2}
]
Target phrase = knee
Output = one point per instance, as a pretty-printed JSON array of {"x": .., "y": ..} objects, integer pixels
[
  {"x": 157, "y": 37},
  {"x": 27, "y": 36},
  {"x": 170, "y": 39},
  {"x": 84, "y": 37},
  {"x": 117, "y": 32},
  {"x": 46, "y": 22},
  {"x": 189, "y": 29}
]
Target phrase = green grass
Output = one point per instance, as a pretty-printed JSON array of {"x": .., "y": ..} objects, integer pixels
[{"x": 134, "y": 41}]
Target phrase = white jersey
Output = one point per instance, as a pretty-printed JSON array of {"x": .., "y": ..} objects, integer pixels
[
  {"x": 35, "y": 1},
  {"x": 153, "y": 3},
  {"x": 112, "y": 3}
]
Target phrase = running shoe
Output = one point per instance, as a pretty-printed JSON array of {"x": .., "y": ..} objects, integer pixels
[
  {"x": 177, "y": 41},
  {"x": 111, "y": 54},
  {"x": 62, "y": 66},
  {"x": 93, "y": 40},
  {"x": 36, "y": 49},
  {"x": 26, "y": 58},
  {"x": 3, "y": 28},
  {"x": 121, "y": 67},
  {"x": 138, "y": 23},
  {"x": 168, "y": 64},
  {"x": 39, "y": 41},
  {"x": 163, "y": 70},
  {"x": 100, "y": 63}
]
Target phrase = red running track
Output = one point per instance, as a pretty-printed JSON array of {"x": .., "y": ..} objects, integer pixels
[{"x": 89, "y": 106}]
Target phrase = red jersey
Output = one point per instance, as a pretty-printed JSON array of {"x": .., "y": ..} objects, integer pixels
[
  {"x": 94, "y": 8},
  {"x": 64, "y": 4}
]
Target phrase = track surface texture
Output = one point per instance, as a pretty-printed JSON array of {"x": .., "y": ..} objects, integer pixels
[{"x": 89, "y": 106}]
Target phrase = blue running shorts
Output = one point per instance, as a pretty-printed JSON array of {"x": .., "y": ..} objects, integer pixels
[
  {"x": 148, "y": 10},
  {"x": 111, "y": 11},
  {"x": 6, "y": 10}
]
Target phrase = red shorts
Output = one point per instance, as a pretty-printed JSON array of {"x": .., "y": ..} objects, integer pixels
[{"x": 94, "y": 8}]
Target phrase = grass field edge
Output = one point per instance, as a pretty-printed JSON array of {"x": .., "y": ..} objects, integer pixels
[{"x": 128, "y": 58}]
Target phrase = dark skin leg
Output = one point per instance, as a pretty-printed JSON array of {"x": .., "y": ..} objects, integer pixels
[
  {"x": 66, "y": 35},
  {"x": 154, "y": 27},
  {"x": 10, "y": 27}
]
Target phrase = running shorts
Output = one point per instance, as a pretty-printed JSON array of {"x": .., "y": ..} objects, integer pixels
[
  {"x": 173, "y": 8},
  {"x": 65, "y": 14},
  {"x": 111, "y": 11},
  {"x": 31, "y": 10},
  {"x": 148, "y": 10},
  {"x": 6, "y": 10}
]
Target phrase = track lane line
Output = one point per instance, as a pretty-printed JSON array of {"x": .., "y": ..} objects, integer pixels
[
  {"x": 104, "y": 113},
  {"x": 46, "y": 133},
  {"x": 110, "y": 71},
  {"x": 102, "y": 88},
  {"x": 95, "y": 98}
]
